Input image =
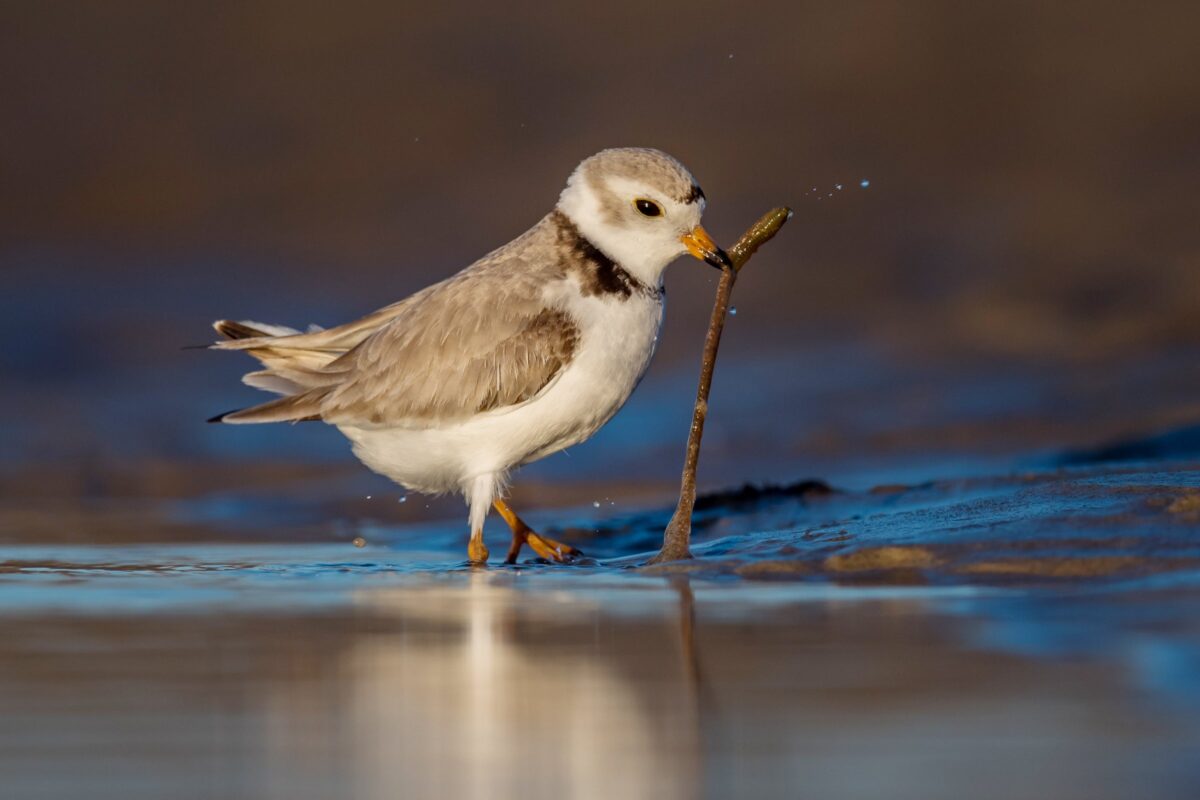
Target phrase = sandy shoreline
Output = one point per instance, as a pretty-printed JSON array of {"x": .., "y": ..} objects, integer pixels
[{"x": 1032, "y": 633}]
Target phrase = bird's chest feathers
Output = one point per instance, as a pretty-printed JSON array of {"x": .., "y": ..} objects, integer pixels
[{"x": 617, "y": 336}]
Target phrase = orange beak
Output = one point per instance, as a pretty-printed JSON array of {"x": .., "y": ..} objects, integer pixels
[{"x": 701, "y": 246}]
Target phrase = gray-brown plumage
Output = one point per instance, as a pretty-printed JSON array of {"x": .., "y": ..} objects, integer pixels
[
  {"x": 527, "y": 351},
  {"x": 468, "y": 344},
  {"x": 641, "y": 164}
]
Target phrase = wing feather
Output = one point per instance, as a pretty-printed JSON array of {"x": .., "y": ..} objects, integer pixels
[
  {"x": 482, "y": 339},
  {"x": 476, "y": 344}
]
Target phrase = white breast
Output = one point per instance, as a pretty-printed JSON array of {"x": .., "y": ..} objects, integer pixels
[{"x": 616, "y": 341}]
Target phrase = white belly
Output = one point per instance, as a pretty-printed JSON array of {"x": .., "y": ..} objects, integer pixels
[{"x": 617, "y": 339}]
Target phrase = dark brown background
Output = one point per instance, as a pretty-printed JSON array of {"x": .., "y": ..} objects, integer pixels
[{"x": 1022, "y": 274}]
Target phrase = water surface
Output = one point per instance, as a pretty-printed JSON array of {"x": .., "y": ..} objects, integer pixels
[{"x": 1028, "y": 635}]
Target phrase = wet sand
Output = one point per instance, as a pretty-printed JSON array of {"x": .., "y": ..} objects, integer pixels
[{"x": 1018, "y": 636}]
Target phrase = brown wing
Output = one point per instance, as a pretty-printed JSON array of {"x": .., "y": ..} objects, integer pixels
[
  {"x": 480, "y": 340},
  {"x": 472, "y": 345},
  {"x": 483, "y": 340}
]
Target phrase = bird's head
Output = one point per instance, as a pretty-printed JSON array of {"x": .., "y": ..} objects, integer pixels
[{"x": 642, "y": 208}]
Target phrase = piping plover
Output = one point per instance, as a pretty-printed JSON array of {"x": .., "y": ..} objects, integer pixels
[{"x": 527, "y": 351}]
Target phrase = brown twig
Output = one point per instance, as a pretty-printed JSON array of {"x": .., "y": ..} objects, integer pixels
[{"x": 679, "y": 529}]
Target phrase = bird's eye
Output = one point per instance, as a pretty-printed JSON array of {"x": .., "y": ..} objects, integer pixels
[{"x": 648, "y": 208}]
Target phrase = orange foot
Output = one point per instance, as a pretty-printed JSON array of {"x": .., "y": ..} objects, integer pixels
[
  {"x": 477, "y": 552},
  {"x": 548, "y": 549}
]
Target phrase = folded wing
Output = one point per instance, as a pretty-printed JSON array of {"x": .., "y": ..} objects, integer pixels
[{"x": 479, "y": 341}]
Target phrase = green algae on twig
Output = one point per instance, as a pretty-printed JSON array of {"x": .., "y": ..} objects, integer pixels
[{"x": 679, "y": 530}]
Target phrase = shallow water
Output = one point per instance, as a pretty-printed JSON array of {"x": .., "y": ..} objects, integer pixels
[{"x": 1027, "y": 635}]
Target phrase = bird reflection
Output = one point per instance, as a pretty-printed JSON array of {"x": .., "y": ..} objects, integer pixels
[{"x": 489, "y": 690}]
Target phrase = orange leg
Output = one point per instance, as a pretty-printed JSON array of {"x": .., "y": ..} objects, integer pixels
[
  {"x": 523, "y": 534},
  {"x": 477, "y": 552}
]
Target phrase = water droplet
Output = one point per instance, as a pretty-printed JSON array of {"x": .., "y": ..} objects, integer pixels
[
  {"x": 403, "y": 499},
  {"x": 838, "y": 186},
  {"x": 359, "y": 541},
  {"x": 733, "y": 311},
  {"x": 864, "y": 183},
  {"x": 595, "y": 504},
  {"x": 368, "y": 497}
]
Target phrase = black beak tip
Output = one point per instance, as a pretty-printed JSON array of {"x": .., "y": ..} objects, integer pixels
[{"x": 719, "y": 259}]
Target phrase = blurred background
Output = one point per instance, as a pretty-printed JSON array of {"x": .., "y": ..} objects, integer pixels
[{"x": 994, "y": 259}]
